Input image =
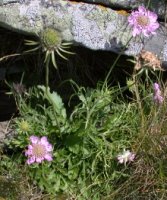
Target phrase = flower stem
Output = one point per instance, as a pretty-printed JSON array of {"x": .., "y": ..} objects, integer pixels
[
  {"x": 115, "y": 62},
  {"x": 47, "y": 88}
]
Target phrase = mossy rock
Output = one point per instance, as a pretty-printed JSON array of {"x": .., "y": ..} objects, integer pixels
[{"x": 9, "y": 189}]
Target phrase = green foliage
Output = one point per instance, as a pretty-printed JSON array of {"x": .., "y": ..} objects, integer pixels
[
  {"x": 88, "y": 140},
  {"x": 86, "y": 143},
  {"x": 55, "y": 100}
]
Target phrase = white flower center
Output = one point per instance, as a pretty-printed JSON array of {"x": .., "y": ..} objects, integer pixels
[
  {"x": 39, "y": 150},
  {"x": 143, "y": 20}
]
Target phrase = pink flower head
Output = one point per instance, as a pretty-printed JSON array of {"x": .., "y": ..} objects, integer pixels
[
  {"x": 39, "y": 150},
  {"x": 125, "y": 157},
  {"x": 158, "y": 98},
  {"x": 143, "y": 21}
]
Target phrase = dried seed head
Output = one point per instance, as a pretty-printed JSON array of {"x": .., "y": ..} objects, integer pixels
[
  {"x": 151, "y": 59},
  {"x": 19, "y": 88}
]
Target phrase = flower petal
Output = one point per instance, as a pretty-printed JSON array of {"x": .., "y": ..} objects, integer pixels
[
  {"x": 34, "y": 139},
  {"x": 39, "y": 160},
  {"x": 49, "y": 147},
  {"x": 44, "y": 140},
  {"x": 141, "y": 10},
  {"x": 48, "y": 157},
  {"x": 31, "y": 160},
  {"x": 28, "y": 152}
]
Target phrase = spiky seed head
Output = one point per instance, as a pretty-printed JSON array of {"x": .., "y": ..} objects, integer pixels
[
  {"x": 51, "y": 39},
  {"x": 24, "y": 126}
]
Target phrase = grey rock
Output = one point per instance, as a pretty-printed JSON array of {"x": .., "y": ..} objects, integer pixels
[
  {"x": 84, "y": 24},
  {"x": 158, "y": 6},
  {"x": 6, "y": 132}
]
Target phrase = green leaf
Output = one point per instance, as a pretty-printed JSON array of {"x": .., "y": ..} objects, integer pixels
[
  {"x": 73, "y": 173},
  {"x": 54, "y": 100},
  {"x": 74, "y": 143}
]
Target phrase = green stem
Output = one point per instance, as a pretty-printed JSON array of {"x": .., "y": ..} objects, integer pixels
[
  {"x": 47, "y": 89},
  {"x": 148, "y": 4},
  {"x": 115, "y": 62},
  {"x": 138, "y": 99},
  {"x": 47, "y": 74}
]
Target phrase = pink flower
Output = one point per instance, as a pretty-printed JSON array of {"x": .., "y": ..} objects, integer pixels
[
  {"x": 158, "y": 98},
  {"x": 39, "y": 150},
  {"x": 143, "y": 21},
  {"x": 125, "y": 157}
]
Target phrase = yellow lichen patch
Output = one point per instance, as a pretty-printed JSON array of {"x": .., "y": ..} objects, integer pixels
[
  {"x": 74, "y": 2},
  {"x": 122, "y": 12},
  {"x": 102, "y": 7}
]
